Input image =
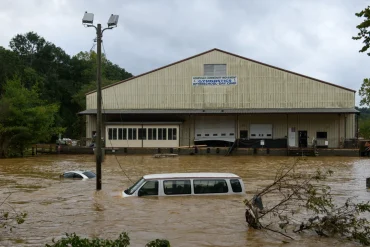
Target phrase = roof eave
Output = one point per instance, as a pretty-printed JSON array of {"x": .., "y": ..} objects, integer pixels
[{"x": 227, "y": 111}]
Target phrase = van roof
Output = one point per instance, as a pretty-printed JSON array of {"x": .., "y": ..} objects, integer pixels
[{"x": 191, "y": 175}]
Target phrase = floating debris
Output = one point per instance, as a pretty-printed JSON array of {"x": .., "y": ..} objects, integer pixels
[{"x": 164, "y": 155}]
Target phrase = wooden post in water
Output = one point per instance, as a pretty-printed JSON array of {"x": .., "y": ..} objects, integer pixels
[{"x": 367, "y": 183}]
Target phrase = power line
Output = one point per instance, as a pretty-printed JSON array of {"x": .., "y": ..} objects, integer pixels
[
  {"x": 115, "y": 96},
  {"x": 115, "y": 156},
  {"x": 92, "y": 47}
]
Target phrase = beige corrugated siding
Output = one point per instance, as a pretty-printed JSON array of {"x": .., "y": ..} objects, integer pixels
[
  {"x": 90, "y": 125},
  {"x": 187, "y": 131},
  {"x": 259, "y": 86}
]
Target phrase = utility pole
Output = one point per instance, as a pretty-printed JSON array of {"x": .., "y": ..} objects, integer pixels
[
  {"x": 88, "y": 20},
  {"x": 98, "y": 110}
]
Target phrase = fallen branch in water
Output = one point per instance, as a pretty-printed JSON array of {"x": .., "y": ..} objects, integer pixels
[
  {"x": 7, "y": 219},
  {"x": 303, "y": 202}
]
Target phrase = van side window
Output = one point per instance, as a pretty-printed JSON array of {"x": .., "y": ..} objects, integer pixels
[
  {"x": 235, "y": 185},
  {"x": 176, "y": 187},
  {"x": 150, "y": 188},
  {"x": 205, "y": 186}
]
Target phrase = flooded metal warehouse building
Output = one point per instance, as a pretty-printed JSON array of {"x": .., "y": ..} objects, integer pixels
[{"x": 216, "y": 98}]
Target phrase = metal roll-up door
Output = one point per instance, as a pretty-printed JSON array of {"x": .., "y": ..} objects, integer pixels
[
  {"x": 261, "y": 131},
  {"x": 215, "y": 128}
]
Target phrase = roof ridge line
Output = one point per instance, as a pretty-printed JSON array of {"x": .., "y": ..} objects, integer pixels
[{"x": 228, "y": 53}]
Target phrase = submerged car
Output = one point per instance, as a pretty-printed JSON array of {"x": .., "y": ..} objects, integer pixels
[
  {"x": 79, "y": 174},
  {"x": 64, "y": 141},
  {"x": 181, "y": 184}
]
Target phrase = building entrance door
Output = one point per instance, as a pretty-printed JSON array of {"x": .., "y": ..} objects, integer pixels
[
  {"x": 244, "y": 134},
  {"x": 302, "y": 138}
]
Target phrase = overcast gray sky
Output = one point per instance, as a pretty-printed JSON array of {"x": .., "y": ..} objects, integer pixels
[{"x": 311, "y": 37}]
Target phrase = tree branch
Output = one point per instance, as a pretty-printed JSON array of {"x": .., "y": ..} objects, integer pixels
[{"x": 277, "y": 232}]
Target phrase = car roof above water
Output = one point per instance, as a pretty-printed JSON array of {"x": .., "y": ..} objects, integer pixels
[
  {"x": 191, "y": 175},
  {"x": 78, "y": 171}
]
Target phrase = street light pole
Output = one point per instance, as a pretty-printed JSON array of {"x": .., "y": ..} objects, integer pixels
[
  {"x": 98, "y": 111},
  {"x": 88, "y": 20}
]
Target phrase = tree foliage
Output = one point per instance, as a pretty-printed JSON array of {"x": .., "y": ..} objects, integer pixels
[
  {"x": 24, "y": 118},
  {"x": 364, "y": 29},
  {"x": 9, "y": 66},
  {"x": 364, "y": 122},
  {"x": 364, "y": 35},
  {"x": 364, "y": 92},
  {"x": 302, "y": 202},
  {"x": 60, "y": 80},
  {"x": 364, "y": 127}
]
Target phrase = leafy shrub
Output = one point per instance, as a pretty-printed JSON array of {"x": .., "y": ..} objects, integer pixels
[{"x": 122, "y": 241}]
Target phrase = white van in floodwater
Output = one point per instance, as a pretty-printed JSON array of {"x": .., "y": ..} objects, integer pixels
[{"x": 181, "y": 184}]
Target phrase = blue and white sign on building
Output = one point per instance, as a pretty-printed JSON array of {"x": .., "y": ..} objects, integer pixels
[{"x": 214, "y": 80}]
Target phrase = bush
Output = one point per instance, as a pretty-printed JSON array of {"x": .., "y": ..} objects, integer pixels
[{"x": 122, "y": 241}]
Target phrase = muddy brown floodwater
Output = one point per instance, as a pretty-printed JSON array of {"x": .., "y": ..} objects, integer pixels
[{"x": 56, "y": 207}]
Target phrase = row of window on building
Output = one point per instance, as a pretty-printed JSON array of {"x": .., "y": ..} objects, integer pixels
[{"x": 142, "y": 133}]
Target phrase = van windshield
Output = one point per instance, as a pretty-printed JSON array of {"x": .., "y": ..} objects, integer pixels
[{"x": 134, "y": 187}]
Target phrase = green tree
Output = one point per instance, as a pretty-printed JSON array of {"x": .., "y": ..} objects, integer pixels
[
  {"x": 10, "y": 65},
  {"x": 52, "y": 67},
  {"x": 364, "y": 122},
  {"x": 364, "y": 92},
  {"x": 364, "y": 35},
  {"x": 364, "y": 128},
  {"x": 363, "y": 27},
  {"x": 85, "y": 74},
  {"x": 24, "y": 118},
  {"x": 60, "y": 79}
]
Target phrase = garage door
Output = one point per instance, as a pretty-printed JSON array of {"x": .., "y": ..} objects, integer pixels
[
  {"x": 261, "y": 131},
  {"x": 215, "y": 128}
]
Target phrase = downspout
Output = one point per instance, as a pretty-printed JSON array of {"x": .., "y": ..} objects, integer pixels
[
  {"x": 345, "y": 126},
  {"x": 194, "y": 127},
  {"x": 189, "y": 128},
  {"x": 339, "y": 131},
  {"x": 179, "y": 135},
  {"x": 142, "y": 135},
  {"x": 356, "y": 130},
  {"x": 237, "y": 130},
  {"x": 287, "y": 130}
]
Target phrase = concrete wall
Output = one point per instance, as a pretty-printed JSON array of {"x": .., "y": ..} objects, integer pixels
[{"x": 223, "y": 151}]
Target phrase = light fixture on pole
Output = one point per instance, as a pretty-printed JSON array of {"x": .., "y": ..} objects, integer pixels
[{"x": 88, "y": 20}]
